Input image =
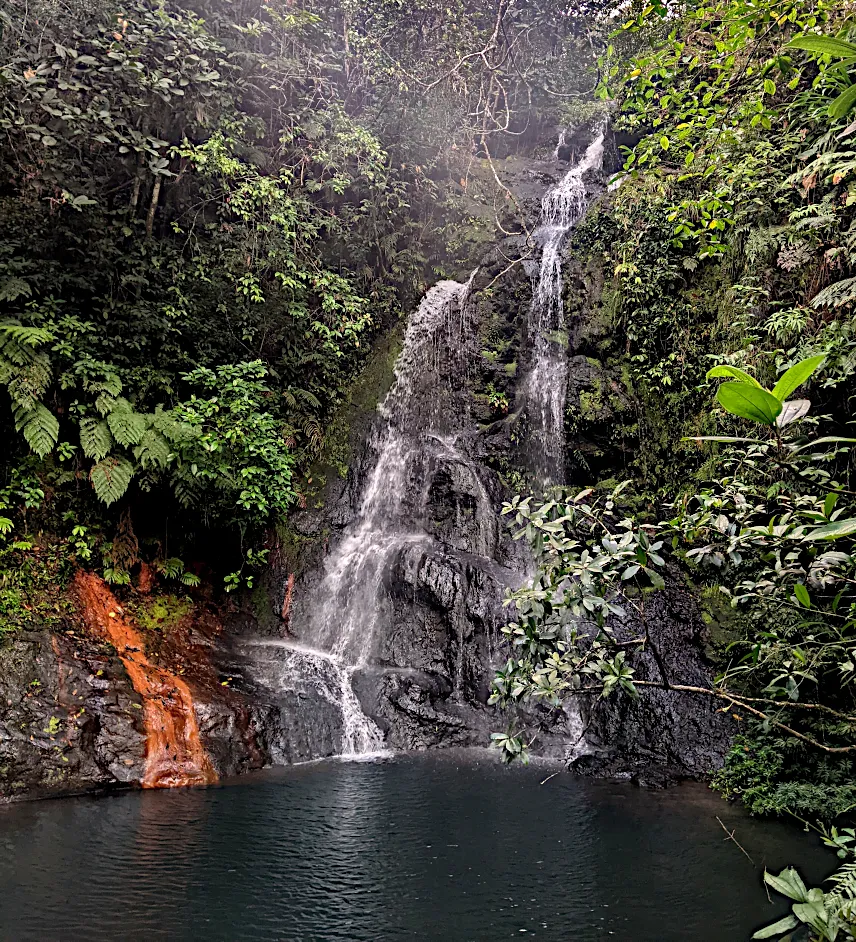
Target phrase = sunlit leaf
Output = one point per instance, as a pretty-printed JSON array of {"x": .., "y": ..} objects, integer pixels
[{"x": 749, "y": 402}]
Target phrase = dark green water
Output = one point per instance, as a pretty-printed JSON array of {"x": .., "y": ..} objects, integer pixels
[{"x": 450, "y": 848}]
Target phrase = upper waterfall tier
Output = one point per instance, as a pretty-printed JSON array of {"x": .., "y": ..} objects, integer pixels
[{"x": 561, "y": 209}]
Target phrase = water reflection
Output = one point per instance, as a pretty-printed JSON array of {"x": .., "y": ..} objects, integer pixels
[{"x": 424, "y": 848}]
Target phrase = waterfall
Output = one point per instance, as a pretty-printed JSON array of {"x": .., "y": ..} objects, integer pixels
[
  {"x": 544, "y": 391},
  {"x": 417, "y": 422}
]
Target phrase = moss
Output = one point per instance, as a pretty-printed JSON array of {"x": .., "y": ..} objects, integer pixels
[
  {"x": 161, "y": 613},
  {"x": 293, "y": 546},
  {"x": 365, "y": 393}
]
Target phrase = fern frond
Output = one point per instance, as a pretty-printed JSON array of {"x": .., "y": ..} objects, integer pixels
[
  {"x": 127, "y": 426},
  {"x": 294, "y": 395},
  {"x": 153, "y": 450},
  {"x": 40, "y": 428},
  {"x": 95, "y": 438},
  {"x": 837, "y": 295},
  {"x": 28, "y": 382},
  {"x": 172, "y": 429},
  {"x": 111, "y": 478},
  {"x": 186, "y": 487},
  {"x": 314, "y": 433},
  {"x": 29, "y": 336}
]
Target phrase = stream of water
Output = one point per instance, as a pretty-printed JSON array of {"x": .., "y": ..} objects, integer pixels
[
  {"x": 431, "y": 848},
  {"x": 561, "y": 209},
  {"x": 414, "y": 423}
]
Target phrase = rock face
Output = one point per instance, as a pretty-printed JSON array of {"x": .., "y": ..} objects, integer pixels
[
  {"x": 665, "y": 734},
  {"x": 426, "y": 558},
  {"x": 70, "y": 719},
  {"x": 86, "y": 708}
]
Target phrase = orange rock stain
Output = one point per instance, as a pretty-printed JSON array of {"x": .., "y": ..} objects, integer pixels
[{"x": 175, "y": 756}]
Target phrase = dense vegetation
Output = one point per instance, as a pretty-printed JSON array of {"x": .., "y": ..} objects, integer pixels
[{"x": 208, "y": 211}]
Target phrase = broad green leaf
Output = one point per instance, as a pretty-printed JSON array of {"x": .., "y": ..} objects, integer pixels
[
  {"x": 801, "y": 592},
  {"x": 833, "y": 531},
  {"x": 796, "y": 376},
  {"x": 788, "y": 883},
  {"x": 657, "y": 581},
  {"x": 843, "y": 105},
  {"x": 823, "y": 46},
  {"x": 783, "y": 925},
  {"x": 733, "y": 372},
  {"x": 749, "y": 402},
  {"x": 812, "y": 913}
]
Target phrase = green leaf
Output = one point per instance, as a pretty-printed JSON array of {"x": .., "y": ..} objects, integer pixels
[
  {"x": 823, "y": 46},
  {"x": 127, "y": 426},
  {"x": 733, "y": 372},
  {"x": 783, "y": 925},
  {"x": 749, "y": 402},
  {"x": 796, "y": 376},
  {"x": 657, "y": 581},
  {"x": 843, "y": 104},
  {"x": 95, "y": 438},
  {"x": 111, "y": 478},
  {"x": 788, "y": 883},
  {"x": 153, "y": 450},
  {"x": 801, "y": 592},
  {"x": 769, "y": 86},
  {"x": 826, "y": 440},
  {"x": 39, "y": 427},
  {"x": 833, "y": 531}
]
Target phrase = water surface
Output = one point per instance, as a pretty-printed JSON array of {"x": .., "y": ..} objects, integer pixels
[{"x": 450, "y": 848}]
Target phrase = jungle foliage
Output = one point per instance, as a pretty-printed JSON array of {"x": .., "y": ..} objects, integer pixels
[{"x": 208, "y": 210}]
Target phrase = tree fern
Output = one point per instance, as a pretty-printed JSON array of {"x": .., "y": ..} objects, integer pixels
[
  {"x": 186, "y": 486},
  {"x": 110, "y": 478},
  {"x": 24, "y": 369},
  {"x": 128, "y": 427},
  {"x": 842, "y": 897},
  {"x": 293, "y": 396},
  {"x": 95, "y": 438},
  {"x": 39, "y": 427}
]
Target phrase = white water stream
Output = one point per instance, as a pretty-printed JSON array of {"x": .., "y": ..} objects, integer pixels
[
  {"x": 561, "y": 209},
  {"x": 338, "y": 640}
]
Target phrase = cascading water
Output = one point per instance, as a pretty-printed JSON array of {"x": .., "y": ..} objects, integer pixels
[
  {"x": 397, "y": 624},
  {"x": 417, "y": 424},
  {"x": 561, "y": 209}
]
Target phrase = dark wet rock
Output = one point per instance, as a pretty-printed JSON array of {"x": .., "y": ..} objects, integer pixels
[
  {"x": 69, "y": 718},
  {"x": 683, "y": 733}
]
